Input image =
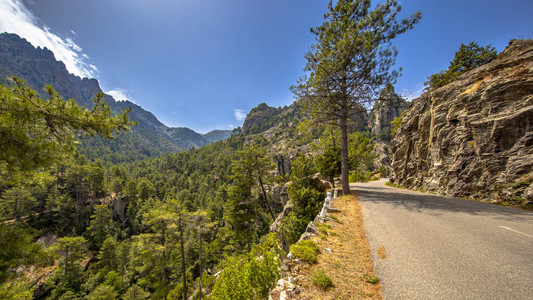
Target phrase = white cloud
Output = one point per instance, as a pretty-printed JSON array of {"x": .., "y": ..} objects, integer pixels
[
  {"x": 16, "y": 18},
  {"x": 239, "y": 114},
  {"x": 410, "y": 95},
  {"x": 120, "y": 95}
]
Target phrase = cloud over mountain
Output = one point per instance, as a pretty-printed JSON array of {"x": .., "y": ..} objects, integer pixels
[{"x": 16, "y": 18}]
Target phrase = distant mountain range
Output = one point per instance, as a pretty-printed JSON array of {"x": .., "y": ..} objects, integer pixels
[{"x": 38, "y": 67}]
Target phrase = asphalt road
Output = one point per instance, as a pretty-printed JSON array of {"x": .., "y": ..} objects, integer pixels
[{"x": 447, "y": 248}]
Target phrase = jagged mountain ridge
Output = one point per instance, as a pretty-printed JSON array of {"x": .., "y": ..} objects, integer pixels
[{"x": 38, "y": 67}]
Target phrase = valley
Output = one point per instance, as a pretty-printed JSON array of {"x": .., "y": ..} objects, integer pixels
[{"x": 351, "y": 190}]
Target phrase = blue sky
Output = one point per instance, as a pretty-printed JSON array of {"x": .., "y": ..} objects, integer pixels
[{"x": 204, "y": 64}]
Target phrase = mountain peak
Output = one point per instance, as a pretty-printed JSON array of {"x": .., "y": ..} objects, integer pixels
[{"x": 38, "y": 67}]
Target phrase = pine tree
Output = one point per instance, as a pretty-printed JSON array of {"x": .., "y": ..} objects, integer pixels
[
  {"x": 360, "y": 151},
  {"x": 466, "y": 58},
  {"x": 350, "y": 61},
  {"x": 328, "y": 162},
  {"x": 71, "y": 250},
  {"x": 17, "y": 202},
  {"x": 107, "y": 258},
  {"x": 37, "y": 133},
  {"x": 100, "y": 225}
]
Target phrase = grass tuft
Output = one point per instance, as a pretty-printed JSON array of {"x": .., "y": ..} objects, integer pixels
[
  {"x": 373, "y": 279},
  {"x": 321, "y": 279}
]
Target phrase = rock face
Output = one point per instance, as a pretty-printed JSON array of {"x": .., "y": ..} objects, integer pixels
[
  {"x": 259, "y": 118},
  {"x": 283, "y": 165},
  {"x": 473, "y": 136},
  {"x": 389, "y": 106}
]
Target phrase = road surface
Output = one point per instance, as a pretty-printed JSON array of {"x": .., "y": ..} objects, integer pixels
[{"x": 447, "y": 248}]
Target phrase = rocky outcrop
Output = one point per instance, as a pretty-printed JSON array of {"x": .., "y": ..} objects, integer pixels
[
  {"x": 389, "y": 106},
  {"x": 474, "y": 136},
  {"x": 260, "y": 118},
  {"x": 283, "y": 164}
]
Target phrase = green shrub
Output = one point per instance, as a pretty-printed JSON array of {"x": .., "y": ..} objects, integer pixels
[
  {"x": 292, "y": 227},
  {"x": 369, "y": 278},
  {"x": 321, "y": 279},
  {"x": 251, "y": 275},
  {"x": 305, "y": 250}
]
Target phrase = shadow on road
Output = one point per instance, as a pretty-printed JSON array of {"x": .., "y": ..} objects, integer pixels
[{"x": 433, "y": 204}]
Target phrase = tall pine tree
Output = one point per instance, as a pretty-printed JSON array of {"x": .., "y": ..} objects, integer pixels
[{"x": 350, "y": 61}]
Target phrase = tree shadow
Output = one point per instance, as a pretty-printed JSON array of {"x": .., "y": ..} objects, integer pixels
[{"x": 436, "y": 205}]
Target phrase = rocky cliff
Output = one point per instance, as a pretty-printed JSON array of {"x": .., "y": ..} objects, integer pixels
[
  {"x": 261, "y": 118},
  {"x": 474, "y": 136},
  {"x": 389, "y": 106}
]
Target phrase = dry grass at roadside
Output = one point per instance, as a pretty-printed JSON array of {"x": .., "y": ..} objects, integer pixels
[{"x": 344, "y": 256}]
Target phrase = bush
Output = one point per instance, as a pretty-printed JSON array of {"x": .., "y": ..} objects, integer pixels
[
  {"x": 321, "y": 279},
  {"x": 250, "y": 276},
  {"x": 305, "y": 250},
  {"x": 292, "y": 227}
]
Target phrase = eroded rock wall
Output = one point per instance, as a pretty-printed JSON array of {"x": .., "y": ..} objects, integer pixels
[{"x": 473, "y": 136}]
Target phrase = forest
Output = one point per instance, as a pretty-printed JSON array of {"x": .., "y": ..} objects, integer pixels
[
  {"x": 80, "y": 221},
  {"x": 76, "y": 228}
]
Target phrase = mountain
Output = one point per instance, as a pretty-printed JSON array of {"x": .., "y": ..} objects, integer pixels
[
  {"x": 474, "y": 136},
  {"x": 217, "y": 135},
  {"x": 38, "y": 67}
]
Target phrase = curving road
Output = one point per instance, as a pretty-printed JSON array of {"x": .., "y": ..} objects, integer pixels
[{"x": 447, "y": 248}]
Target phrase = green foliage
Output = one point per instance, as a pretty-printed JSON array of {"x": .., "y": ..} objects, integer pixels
[
  {"x": 69, "y": 275},
  {"x": 349, "y": 62},
  {"x": 321, "y": 279},
  {"x": 307, "y": 200},
  {"x": 103, "y": 292},
  {"x": 37, "y": 133},
  {"x": 135, "y": 292},
  {"x": 158, "y": 259},
  {"x": 100, "y": 225},
  {"x": 292, "y": 228},
  {"x": 107, "y": 258},
  {"x": 17, "y": 249},
  {"x": 16, "y": 290},
  {"x": 150, "y": 246},
  {"x": 328, "y": 162},
  {"x": 468, "y": 57},
  {"x": 360, "y": 152},
  {"x": 370, "y": 278},
  {"x": 249, "y": 170},
  {"x": 250, "y": 276},
  {"x": 396, "y": 124},
  {"x": 16, "y": 202},
  {"x": 305, "y": 250}
]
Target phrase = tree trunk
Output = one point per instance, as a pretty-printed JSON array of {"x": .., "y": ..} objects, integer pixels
[
  {"x": 266, "y": 199},
  {"x": 66, "y": 262},
  {"x": 200, "y": 295},
  {"x": 183, "y": 264},
  {"x": 344, "y": 155}
]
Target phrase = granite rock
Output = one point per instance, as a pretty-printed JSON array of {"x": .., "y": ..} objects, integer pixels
[{"x": 474, "y": 135}]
